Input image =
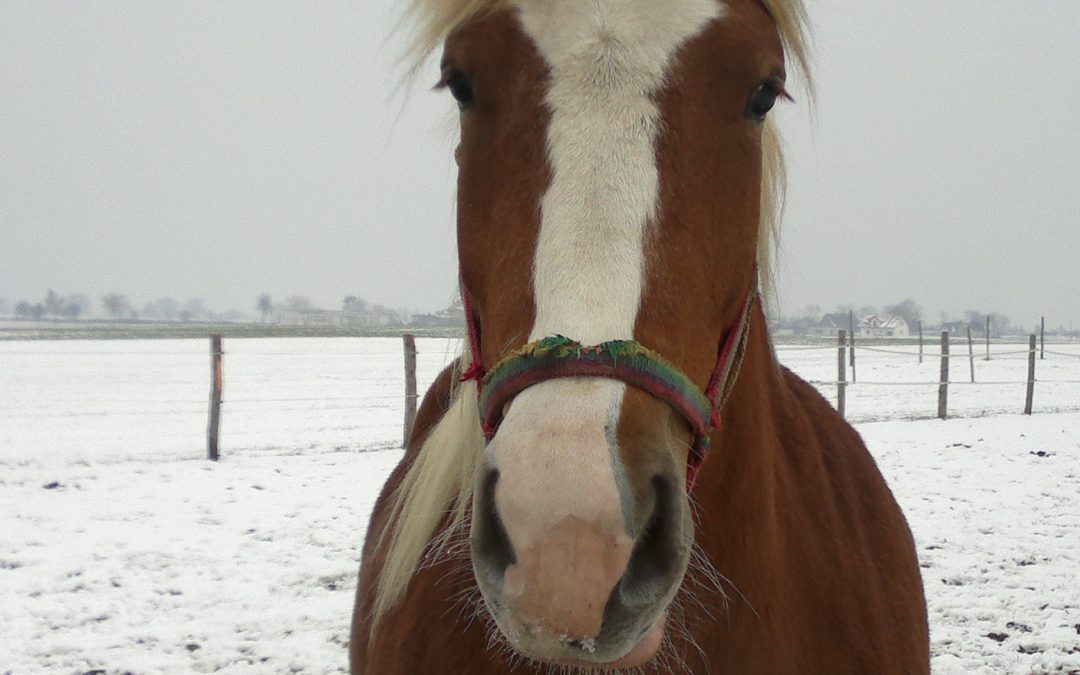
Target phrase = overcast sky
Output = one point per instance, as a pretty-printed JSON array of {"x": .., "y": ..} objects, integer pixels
[{"x": 223, "y": 149}]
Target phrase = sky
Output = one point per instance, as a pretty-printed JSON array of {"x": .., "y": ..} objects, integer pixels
[{"x": 223, "y": 149}]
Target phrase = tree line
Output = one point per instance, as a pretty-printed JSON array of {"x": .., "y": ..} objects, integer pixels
[
  {"x": 911, "y": 312},
  {"x": 117, "y": 306},
  {"x": 120, "y": 307},
  {"x": 355, "y": 309}
]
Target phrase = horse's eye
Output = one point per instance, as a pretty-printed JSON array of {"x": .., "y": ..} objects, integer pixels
[
  {"x": 460, "y": 88},
  {"x": 762, "y": 101}
]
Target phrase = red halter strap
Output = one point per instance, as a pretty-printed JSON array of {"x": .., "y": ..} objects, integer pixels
[
  {"x": 626, "y": 360},
  {"x": 475, "y": 371}
]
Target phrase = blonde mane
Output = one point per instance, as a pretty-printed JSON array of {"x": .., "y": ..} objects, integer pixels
[{"x": 438, "y": 486}]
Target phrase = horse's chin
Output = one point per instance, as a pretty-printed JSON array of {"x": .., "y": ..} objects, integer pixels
[
  {"x": 640, "y": 654},
  {"x": 644, "y": 650}
]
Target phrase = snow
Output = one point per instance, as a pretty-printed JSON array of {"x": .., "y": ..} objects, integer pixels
[
  {"x": 121, "y": 549},
  {"x": 103, "y": 400},
  {"x": 995, "y": 507}
]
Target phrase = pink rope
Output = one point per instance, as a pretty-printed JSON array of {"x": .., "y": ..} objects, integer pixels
[{"x": 475, "y": 371}]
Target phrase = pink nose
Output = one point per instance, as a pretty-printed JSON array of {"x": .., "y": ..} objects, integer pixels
[
  {"x": 569, "y": 587},
  {"x": 561, "y": 584}
]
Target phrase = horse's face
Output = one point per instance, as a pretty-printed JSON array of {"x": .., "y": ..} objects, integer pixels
[{"x": 609, "y": 188}]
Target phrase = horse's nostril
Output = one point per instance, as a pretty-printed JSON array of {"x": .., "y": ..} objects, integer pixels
[
  {"x": 657, "y": 558},
  {"x": 492, "y": 551}
]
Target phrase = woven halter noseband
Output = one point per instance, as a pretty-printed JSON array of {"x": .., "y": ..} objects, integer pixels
[{"x": 626, "y": 360}]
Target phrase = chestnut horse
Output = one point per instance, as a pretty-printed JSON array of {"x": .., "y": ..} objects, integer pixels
[{"x": 617, "y": 199}]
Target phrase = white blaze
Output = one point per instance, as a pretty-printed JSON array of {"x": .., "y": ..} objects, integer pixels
[{"x": 607, "y": 60}]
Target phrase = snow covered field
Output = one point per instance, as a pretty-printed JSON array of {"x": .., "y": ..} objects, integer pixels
[{"x": 121, "y": 550}]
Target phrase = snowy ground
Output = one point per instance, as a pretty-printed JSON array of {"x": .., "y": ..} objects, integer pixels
[{"x": 121, "y": 550}]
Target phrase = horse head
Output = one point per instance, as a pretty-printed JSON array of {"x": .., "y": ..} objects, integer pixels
[{"x": 611, "y": 165}]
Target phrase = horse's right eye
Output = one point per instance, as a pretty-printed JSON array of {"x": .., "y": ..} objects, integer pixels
[
  {"x": 460, "y": 88},
  {"x": 764, "y": 98},
  {"x": 761, "y": 102}
]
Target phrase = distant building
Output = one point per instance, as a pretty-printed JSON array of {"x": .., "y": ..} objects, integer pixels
[
  {"x": 452, "y": 316},
  {"x": 829, "y": 324},
  {"x": 376, "y": 317},
  {"x": 309, "y": 317},
  {"x": 882, "y": 326},
  {"x": 872, "y": 326}
]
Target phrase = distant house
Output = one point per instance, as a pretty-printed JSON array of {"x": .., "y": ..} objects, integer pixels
[
  {"x": 872, "y": 326},
  {"x": 453, "y": 316},
  {"x": 882, "y": 326},
  {"x": 309, "y": 317},
  {"x": 377, "y": 317},
  {"x": 829, "y": 324}
]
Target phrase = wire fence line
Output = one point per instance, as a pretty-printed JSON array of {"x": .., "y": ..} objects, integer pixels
[
  {"x": 1056, "y": 353},
  {"x": 329, "y": 394},
  {"x": 989, "y": 370},
  {"x": 958, "y": 383},
  {"x": 148, "y": 399},
  {"x": 900, "y": 352}
]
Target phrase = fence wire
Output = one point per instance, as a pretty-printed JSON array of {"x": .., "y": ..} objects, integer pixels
[
  {"x": 286, "y": 400},
  {"x": 850, "y": 393}
]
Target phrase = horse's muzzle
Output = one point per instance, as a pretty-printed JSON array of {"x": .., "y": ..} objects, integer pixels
[{"x": 579, "y": 590}]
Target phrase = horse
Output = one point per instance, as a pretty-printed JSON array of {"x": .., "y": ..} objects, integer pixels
[{"x": 619, "y": 191}]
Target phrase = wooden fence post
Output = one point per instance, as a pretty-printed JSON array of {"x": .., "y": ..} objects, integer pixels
[
  {"x": 1031, "y": 376},
  {"x": 215, "y": 398},
  {"x": 943, "y": 387},
  {"x": 1042, "y": 338},
  {"x": 971, "y": 353},
  {"x": 841, "y": 378},
  {"x": 851, "y": 341},
  {"x": 920, "y": 342},
  {"x": 409, "y": 343},
  {"x": 987, "y": 338}
]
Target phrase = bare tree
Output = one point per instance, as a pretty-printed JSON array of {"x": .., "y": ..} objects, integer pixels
[
  {"x": 354, "y": 305},
  {"x": 299, "y": 303},
  {"x": 265, "y": 305},
  {"x": 162, "y": 308},
  {"x": 54, "y": 303},
  {"x": 72, "y": 310},
  {"x": 195, "y": 309},
  {"x": 384, "y": 316},
  {"x": 999, "y": 323},
  {"x": 907, "y": 309},
  {"x": 116, "y": 304},
  {"x": 25, "y": 310},
  {"x": 77, "y": 305},
  {"x": 4, "y": 307}
]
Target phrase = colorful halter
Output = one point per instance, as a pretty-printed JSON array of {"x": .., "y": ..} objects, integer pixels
[{"x": 626, "y": 360}]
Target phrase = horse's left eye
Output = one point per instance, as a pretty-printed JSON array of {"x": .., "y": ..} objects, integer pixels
[
  {"x": 762, "y": 101},
  {"x": 460, "y": 88}
]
